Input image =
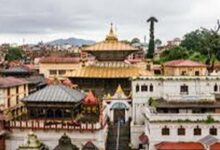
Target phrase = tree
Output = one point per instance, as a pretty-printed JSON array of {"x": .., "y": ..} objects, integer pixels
[
  {"x": 13, "y": 53},
  {"x": 158, "y": 42},
  {"x": 135, "y": 40},
  {"x": 151, "y": 46},
  {"x": 173, "y": 54},
  {"x": 205, "y": 41}
]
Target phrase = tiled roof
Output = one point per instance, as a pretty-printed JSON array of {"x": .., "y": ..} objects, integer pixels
[
  {"x": 55, "y": 93},
  {"x": 111, "y": 43},
  {"x": 19, "y": 69},
  {"x": 36, "y": 80},
  {"x": 183, "y": 63},
  {"x": 110, "y": 46},
  {"x": 60, "y": 60},
  {"x": 109, "y": 70},
  {"x": 179, "y": 146},
  {"x": 215, "y": 146},
  {"x": 11, "y": 81}
]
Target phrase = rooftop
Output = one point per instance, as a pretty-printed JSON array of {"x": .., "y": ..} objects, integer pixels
[
  {"x": 111, "y": 43},
  {"x": 11, "y": 81},
  {"x": 109, "y": 69},
  {"x": 90, "y": 99},
  {"x": 55, "y": 93},
  {"x": 179, "y": 146},
  {"x": 60, "y": 60},
  {"x": 183, "y": 63}
]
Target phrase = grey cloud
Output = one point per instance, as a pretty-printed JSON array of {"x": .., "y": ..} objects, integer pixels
[{"x": 57, "y": 16}]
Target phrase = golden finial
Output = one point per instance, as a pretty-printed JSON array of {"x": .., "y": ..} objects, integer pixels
[
  {"x": 119, "y": 90},
  {"x": 111, "y": 36}
]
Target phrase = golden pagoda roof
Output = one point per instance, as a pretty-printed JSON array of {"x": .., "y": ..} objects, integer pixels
[
  {"x": 109, "y": 69},
  {"x": 111, "y": 43},
  {"x": 119, "y": 93}
]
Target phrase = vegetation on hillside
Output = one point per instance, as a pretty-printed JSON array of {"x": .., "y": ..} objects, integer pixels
[{"x": 200, "y": 45}]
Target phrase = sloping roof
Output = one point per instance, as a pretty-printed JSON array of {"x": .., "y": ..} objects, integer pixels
[
  {"x": 215, "y": 146},
  {"x": 106, "y": 72},
  {"x": 111, "y": 43},
  {"x": 110, "y": 46},
  {"x": 60, "y": 60},
  {"x": 183, "y": 63},
  {"x": 90, "y": 99},
  {"x": 55, "y": 93},
  {"x": 208, "y": 140},
  {"x": 11, "y": 81},
  {"x": 36, "y": 80},
  {"x": 109, "y": 70},
  {"x": 19, "y": 69},
  {"x": 179, "y": 146}
]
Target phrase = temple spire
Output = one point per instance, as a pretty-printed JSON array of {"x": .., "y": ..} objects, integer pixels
[{"x": 111, "y": 36}]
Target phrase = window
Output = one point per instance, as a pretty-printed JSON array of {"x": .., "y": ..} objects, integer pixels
[
  {"x": 62, "y": 72},
  {"x": 8, "y": 96},
  {"x": 197, "y": 73},
  {"x": 53, "y": 72},
  {"x": 215, "y": 88},
  {"x": 17, "y": 94},
  {"x": 137, "y": 88},
  {"x": 197, "y": 131},
  {"x": 184, "y": 89},
  {"x": 183, "y": 73},
  {"x": 181, "y": 131},
  {"x": 213, "y": 131},
  {"x": 151, "y": 88},
  {"x": 165, "y": 131},
  {"x": 144, "y": 88}
]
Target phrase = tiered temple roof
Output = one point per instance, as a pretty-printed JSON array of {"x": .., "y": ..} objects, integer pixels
[{"x": 111, "y": 48}]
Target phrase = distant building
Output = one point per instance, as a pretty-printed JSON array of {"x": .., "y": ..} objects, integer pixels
[{"x": 184, "y": 68}]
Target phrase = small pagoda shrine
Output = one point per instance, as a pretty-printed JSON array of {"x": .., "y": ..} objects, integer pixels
[
  {"x": 118, "y": 105},
  {"x": 33, "y": 143},
  {"x": 91, "y": 108},
  {"x": 65, "y": 144},
  {"x": 91, "y": 103}
]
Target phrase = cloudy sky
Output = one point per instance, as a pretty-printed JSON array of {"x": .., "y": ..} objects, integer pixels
[{"x": 31, "y": 21}]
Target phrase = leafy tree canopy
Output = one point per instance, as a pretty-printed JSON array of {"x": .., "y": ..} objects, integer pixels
[
  {"x": 14, "y": 53},
  {"x": 179, "y": 52},
  {"x": 135, "y": 40}
]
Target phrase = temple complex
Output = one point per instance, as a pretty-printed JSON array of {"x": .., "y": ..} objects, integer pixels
[{"x": 110, "y": 67}]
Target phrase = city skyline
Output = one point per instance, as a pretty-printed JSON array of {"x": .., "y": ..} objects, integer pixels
[{"x": 30, "y": 22}]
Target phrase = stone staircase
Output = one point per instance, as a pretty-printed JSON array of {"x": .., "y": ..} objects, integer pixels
[{"x": 124, "y": 138}]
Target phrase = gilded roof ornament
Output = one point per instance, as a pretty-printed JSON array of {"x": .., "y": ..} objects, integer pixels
[{"x": 111, "y": 37}]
